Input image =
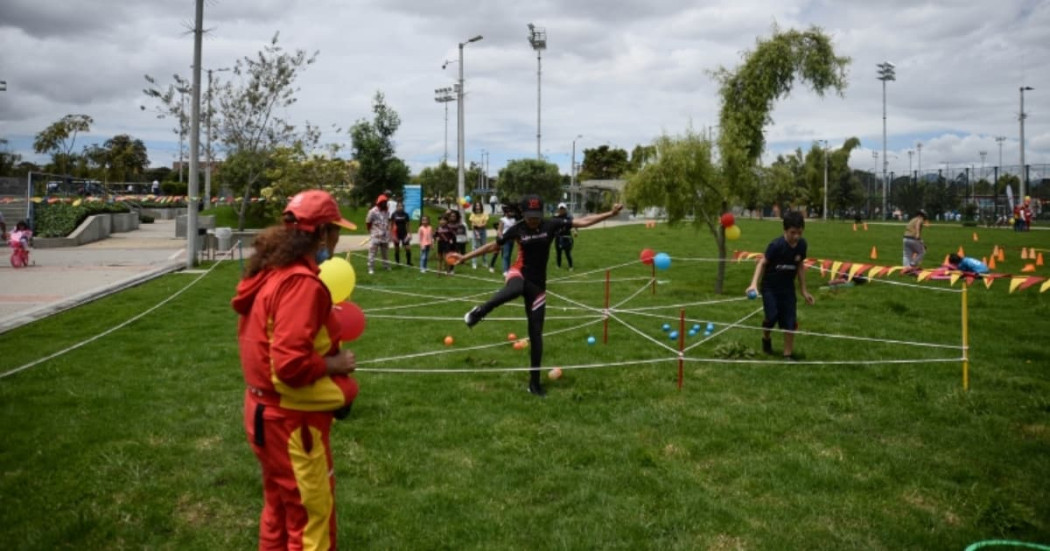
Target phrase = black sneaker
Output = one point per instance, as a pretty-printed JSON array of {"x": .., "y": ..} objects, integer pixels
[
  {"x": 767, "y": 346},
  {"x": 536, "y": 389},
  {"x": 472, "y": 317}
]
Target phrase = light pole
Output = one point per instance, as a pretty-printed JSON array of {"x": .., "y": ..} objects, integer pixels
[
  {"x": 484, "y": 172},
  {"x": 207, "y": 143},
  {"x": 874, "y": 179},
  {"x": 444, "y": 95},
  {"x": 460, "y": 187},
  {"x": 825, "y": 180},
  {"x": 538, "y": 40},
  {"x": 983, "y": 154},
  {"x": 572, "y": 173},
  {"x": 1024, "y": 172},
  {"x": 918, "y": 169},
  {"x": 182, "y": 128},
  {"x": 886, "y": 73}
]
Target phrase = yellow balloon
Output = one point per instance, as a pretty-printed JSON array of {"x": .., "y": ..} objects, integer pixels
[
  {"x": 338, "y": 275},
  {"x": 733, "y": 232}
]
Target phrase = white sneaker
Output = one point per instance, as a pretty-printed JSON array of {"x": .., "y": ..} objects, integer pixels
[
  {"x": 492, "y": 270},
  {"x": 371, "y": 271}
]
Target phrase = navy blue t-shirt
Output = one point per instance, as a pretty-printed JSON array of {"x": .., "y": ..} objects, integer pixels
[
  {"x": 534, "y": 246},
  {"x": 782, "y": 263}
]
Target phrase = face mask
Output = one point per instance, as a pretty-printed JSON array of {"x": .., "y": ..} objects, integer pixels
[{"x": 322, "y": 255}]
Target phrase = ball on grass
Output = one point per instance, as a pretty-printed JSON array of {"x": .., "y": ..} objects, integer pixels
[
  {"x": 554, "y": 374},
  {"x": 449, "y": 340},
  {"x": 591, "y": 340},
  {"x": 666, "y": 327},
  {"x": 673, "y": 336},
  {"x": 511, "y": 336},
  {"x": 662, "y": 261}
]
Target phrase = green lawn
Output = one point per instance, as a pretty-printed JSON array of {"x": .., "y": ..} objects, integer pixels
[{"x": 135, "y": 440}]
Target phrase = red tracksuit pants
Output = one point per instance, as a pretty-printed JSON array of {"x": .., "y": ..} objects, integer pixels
[{"x": 298, "y": 479}]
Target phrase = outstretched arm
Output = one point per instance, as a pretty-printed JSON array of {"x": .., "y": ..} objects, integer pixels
[
  {"x": 592, "y": 219},
  {"x": 484, "y": 249}
]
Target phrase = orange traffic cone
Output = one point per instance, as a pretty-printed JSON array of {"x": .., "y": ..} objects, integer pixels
[
  {"x": 854, "y": 227},
  {"x": 991, "y": 263},
  {"x": 1039, "y": 259},
  {"x": 874, "y": 253},
  {"x": 1028, "y": 268},
  {"x": 1002, "y": 255},
  {"x": 865, "y": 226},
  {"x": 945, "y": 263},
  {"x": 961, "y": 252},
  {"x": 975, "y": 237},
  {"x": 1024, "y": 253}
]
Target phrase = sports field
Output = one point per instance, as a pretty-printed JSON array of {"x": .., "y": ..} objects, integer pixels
[{"x": 135, "y": 440}]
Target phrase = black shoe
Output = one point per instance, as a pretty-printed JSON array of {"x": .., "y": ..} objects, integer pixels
[
  {"x": 472, "y": 317},
  {"x": 767, "y": 346},
  {"x": 788, "y": 358},
  {"x": 536, "y": 389}
]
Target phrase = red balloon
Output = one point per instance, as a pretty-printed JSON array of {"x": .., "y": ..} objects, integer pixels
[
  {"x": 728, "y": 220},
  {"x": 647, "y": 256},
  {"x": 351, "y": 320}
]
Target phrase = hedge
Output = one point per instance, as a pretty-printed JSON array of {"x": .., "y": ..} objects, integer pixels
[{"x": 60, "y": 219}]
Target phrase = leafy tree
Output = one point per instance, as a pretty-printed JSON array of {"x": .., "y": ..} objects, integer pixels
[
  {"x": 373, "y": 147},
  {"x": 252, "y": 127},
  {"x": 59, "y": 139},
  {"x": 937, "y": 195},
  {"x": 640, "y": 155},
  {"x": 126, "y": 158},
  {"x": 530, "y": 176},
  {"x": 603, "y": 163},
  {"x": 171, "y": 104},
  {"x": 683, "y": 179},
  {"x": 439, "y": 181},
  {"x": 749, "y": 92},
  {"x": 8, "y": 160},
  {"x": 293, "y": 169}
]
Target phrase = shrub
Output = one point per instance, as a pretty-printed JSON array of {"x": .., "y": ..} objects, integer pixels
[
  {"x": 145, "y": 219},
  {"x": 60, "y": 219},
  {"x": 174, "y": 188}
]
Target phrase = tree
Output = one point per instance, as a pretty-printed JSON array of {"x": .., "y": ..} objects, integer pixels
[
  {"x": 748, "y": 94},
  {"x": 293, "y": 169},
  {"x": 683, "y": 179},
  {"x": 530, "y": 176},
  {"x": 373, "y": 147},
  {"x": 8, "y": 160},
  {"x": 172, "y": 104},
  {"x": 59, "y": 139},
  {"x": 439, "y": 182},
  {"x": 640, "y": 155},
  {"x": 126, "y": 158},
  {"x": 603, "y": 163},
  {"x": 252, "y": 127}
]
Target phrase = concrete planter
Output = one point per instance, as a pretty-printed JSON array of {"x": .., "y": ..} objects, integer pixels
[
  {"x": 125, "y": 222},
  {"x": 164, "y": 214},
  {"x": 203, "y": 222}
]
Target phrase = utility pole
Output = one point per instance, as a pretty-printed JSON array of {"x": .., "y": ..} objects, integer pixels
[
  {"x": 444, "y": 95},
  {"x": 461, "y": 156},
  {"x": 207, "y": 143},
  {"x": 886, "y": 73},
  {"x": 825, "y": 180},
  {"x": 195, "y": 135},
  {"x": 1024, "y": 169}
]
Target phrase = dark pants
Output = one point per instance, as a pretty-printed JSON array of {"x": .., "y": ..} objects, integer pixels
[
  {"x": 535, "y": 312},
  {"x": 563, "y": 244},
  {"x": 398, "y": 243}
]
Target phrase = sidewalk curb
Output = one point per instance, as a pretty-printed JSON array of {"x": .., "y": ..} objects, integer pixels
[{"x": 26, "y": 317}]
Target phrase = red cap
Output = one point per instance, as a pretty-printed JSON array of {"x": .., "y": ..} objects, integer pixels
[{"x": 315, "y": 208}]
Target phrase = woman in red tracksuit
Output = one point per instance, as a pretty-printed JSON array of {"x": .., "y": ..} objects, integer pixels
[{"x": 296, "y": 375}]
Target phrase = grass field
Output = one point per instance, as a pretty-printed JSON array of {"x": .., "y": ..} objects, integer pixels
[{"x": 135, "y": 440}]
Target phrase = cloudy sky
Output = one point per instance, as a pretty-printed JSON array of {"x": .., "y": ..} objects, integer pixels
[{"x": 618, "y": 72}]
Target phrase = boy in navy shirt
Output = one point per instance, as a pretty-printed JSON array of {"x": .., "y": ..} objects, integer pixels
[{"x": 777, "y": 268}]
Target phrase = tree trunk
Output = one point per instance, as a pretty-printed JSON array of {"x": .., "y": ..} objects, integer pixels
[{"x": 243, "y": 211}]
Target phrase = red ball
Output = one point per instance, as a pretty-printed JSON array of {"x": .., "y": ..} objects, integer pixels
[
  {"x": 647, "y": 256},
  {"x": 728, "y": 220},
  {"x": 351, "y": 320}
]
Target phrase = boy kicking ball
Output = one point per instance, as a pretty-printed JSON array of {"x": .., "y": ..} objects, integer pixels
[{"x": 777, "y": 269}]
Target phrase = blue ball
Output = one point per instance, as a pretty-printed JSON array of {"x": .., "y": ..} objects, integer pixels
[
  {"x": 673, "y": 336},
  {"x": 696, "y": 328},
  {"x": 662, "y": 261},
  {"x": 710, "y": 326},
  {"x": 707, "y": 333},
  {"x": 666, "y": 327},
  {"x": 591, "y": 340},
  {"x": 752, "y": 295}
]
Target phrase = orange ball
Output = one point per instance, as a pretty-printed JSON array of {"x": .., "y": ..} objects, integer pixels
[
  {"x": 524, "y": 343},
  {"x": 448, "y": 340},
  {"x": 511, "y": 336},
  {"x": 452, "y": 258},
  {"x": 554, "y": 374}
]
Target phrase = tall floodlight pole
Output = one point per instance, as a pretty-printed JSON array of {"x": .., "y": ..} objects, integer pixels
[
  {"x": 825, "y": 180},
  {"x": 444, "y": 95},
  {"x": 460, "y": 187},
  {"x": 918, "y": 168},
  {"x": 1024, "y": 173},
  {"x": 886, "y": 73},
  {"x": 874, "y": 179},
  {"x": 538, "y": 39},
  {"x": 195, "y": 135},
  {"x": 910, "y": 174},
  {"x": 983, "y": 154},
  {"x": 572, "y": 173},
  {"x": 207, "y": 140}
]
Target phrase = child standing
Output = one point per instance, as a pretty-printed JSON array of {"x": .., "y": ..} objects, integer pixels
[
  {"x": 777, "y": 269},
  {"x": 426, "y": 239},
  {"x": 478, "y": 222},
  {"x": 460, "y": 237},
  {"x": 446, "y": 241}
]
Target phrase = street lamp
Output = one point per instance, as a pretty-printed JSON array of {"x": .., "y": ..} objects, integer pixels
[
  {"x": 918, "y": 169},
  {"x": 910, "y": 174},
  {"x": 207, "y": 144},
  {"x": 1024, "y": 172},
  {"x": 444, "y": 95},
  {"x": 538, "y": 39},
  {"x": 459, "y": 104},
  {"x": 886, "y": 73},
  {"x": 825, "y": 180}
]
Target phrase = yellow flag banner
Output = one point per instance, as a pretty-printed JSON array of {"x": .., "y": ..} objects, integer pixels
[
  {"x": 924, "y": 275},
  {"x": 954, "y": 276},
  {"x": 988, "y": 281},
  {"x": 1046, "y": 285},
  {"x": 835, "y": 266},
  {"x": 1016, "y": 282},
  {"x": 1029, "y": 281}
]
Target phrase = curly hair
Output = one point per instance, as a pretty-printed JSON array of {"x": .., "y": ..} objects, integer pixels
[{"x": 279, "y": 246}]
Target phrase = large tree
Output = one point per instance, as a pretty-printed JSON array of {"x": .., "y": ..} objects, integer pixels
[
  {"x": 373, "y": 147},
  {"x": 438, "y": 182},
  {"x": 530, "y": 176},
  {"x": 294, "y": 168},
  {"x": 603, "y": 163},
  {"x": 748, "y": 93},
  {"x": 9, "y": 160},
  {"x": 171, "y": 104},
  {"x": 252, "y": 126},
  {"x": 59, "y": 138}
]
